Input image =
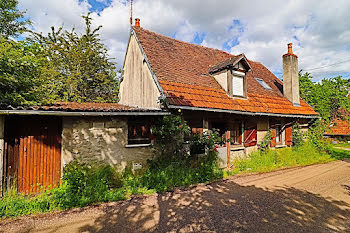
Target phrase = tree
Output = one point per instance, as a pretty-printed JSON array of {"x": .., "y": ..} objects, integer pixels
[
  {"x": 86, "y": 73},
  {"x": 12, "y": 20},
  {"x": 25, "y": 74},
  {"x": 326, "y": 96}
]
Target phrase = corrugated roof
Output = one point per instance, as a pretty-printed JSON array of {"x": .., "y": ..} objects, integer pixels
[
  {"x": 80, "y": 107},
  {"x": 182, "y": 70}
]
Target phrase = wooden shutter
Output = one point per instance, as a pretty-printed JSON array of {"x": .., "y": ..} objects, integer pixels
[
  {"x": 289, "y": 135},
  {"x": 250, "y": 134},
  {"x": 237, "y": 85},
  {"x": 273, "y": 140}
]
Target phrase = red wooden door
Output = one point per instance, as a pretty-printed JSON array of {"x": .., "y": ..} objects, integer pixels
[{"x": 36, "y": 151}]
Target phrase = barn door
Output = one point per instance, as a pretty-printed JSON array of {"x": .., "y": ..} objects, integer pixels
[{"x": 33, "y": 145}]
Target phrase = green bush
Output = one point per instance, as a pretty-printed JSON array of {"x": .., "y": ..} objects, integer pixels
[
  {"x": 264, "y": 145},
  {"x": 298, "y": 136},
  {"x": 163, "y": 174},
  {"x": 86, "y": 183}
]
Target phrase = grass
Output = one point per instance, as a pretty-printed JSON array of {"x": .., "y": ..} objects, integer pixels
[
  {"x": 287, "y": 157},
  {"x": 344, "y": 145},
  {"x": 86, "y": 184}
]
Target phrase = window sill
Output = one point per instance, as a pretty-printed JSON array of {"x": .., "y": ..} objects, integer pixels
[
  {"x": 234, "y": 148},
  {"x": 137, "y": 145},
  {"x": 281, "y": 146}
]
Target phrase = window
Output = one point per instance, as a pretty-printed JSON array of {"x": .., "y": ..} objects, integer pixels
[
  {"x": 236, "y": 134},
  {"x": 139, "y": 132},
  {"x": 263, "y": 84},
  {"x": 237, "y": 85}
]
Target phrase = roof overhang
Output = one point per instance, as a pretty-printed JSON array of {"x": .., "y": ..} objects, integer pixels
[
  {"x": 81, "y": 113},
  {"x": 243, "y": 113},
  {"x": 227, "y": 64}
]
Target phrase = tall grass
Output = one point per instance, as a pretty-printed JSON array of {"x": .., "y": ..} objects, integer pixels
[{"x": 306, "y": 154}]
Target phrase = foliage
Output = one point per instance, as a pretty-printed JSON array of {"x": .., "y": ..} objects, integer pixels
[
  {"x": 13, "y": 204},
  {"x": 316, "y": 133},
  {"x": 326, "y": 96},
  {"x": 12, "y": 20},
  {"x": 85, "y": 183},
  {"x": 264, "y": 145},
  {"x": 209, "y": 140},
  {"x": 85, "y": 71},
  {"x": 25, "y": 73},
  {"x": 298, "y": 136},
  {"x": 286, "y": 157},
  {"x": 165, "y": 174},
  {"x": 169, "y": 133}
]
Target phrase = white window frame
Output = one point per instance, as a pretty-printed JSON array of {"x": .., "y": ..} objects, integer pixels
[{"x": 238, "y": 75}]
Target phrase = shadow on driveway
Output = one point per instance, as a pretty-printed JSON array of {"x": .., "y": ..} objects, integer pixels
[{"x": 226, "y": 206}]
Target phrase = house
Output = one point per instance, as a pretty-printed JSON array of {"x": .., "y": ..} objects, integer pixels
[
  {"x": 339, "y": 128},
  {"x": 214, "y": 89},
  {"x": 161, "y": 76},
  {"x": 37, "y": 142}
]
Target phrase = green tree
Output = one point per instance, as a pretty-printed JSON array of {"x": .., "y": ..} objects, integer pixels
[
  {"x": 326, "y": 96},
  {"x": 86, "y": 73},
  {"x": 12, "y": 20},
  {"x": 25, "y": 73}
]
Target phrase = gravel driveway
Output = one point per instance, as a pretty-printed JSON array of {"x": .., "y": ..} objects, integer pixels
[{"x": 309, "y": 199}]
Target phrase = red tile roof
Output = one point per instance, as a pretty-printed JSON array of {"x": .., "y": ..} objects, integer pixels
[
  {"x": 182, "y": 70},
  {"x": 340, "y": 125}
]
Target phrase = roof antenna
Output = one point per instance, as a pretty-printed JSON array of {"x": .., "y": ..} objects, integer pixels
[{"x": 131, "y": 12}]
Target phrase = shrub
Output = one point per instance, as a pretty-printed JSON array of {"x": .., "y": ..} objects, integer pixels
[
  {"x": 165, "y": 174},
  {"x": 209, "y": 141},
  {"x": 316, "y": 135},
  {"x": 86, "y": 183},
  {"x": 169, "y": 133},
  {"x": 264, "y": 145},
  {"x": 298, "y": 136}
]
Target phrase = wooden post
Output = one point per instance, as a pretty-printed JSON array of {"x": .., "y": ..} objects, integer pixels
[
  {"x": 228, "y": 146},
  {"x": 2, "y": 126}
]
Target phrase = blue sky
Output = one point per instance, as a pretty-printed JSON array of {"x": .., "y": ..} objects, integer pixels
[{"x": 318, "y": 29}]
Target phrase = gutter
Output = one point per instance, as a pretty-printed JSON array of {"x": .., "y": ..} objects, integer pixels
[
  {"x": 243, "y": 113},
  {"x": 63, "y": 113}
]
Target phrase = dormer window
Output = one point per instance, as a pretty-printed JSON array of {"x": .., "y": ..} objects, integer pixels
[
  {"x": 238, "y": 84},
  {"x": 231, "y": 75}
]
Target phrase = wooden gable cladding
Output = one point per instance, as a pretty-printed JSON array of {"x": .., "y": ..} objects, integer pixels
[{"x": 33, "y": 152}]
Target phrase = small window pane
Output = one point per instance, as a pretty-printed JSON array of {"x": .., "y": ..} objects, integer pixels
[
  {"x": 138, "y": 132},
  {"x": 263, "y": 84},
  {"x": 238, "y": 86}
]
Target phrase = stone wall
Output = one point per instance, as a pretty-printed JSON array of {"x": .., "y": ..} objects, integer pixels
[{"x": 100, "y": 138}]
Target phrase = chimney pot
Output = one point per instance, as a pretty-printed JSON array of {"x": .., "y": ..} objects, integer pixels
[
  {"x": 137, "y": 22},
  {"x": 290, "y": 48}
]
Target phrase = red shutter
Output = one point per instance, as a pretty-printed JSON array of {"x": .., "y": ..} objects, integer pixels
[
  {"x": 273, "y": 140},
  {"x": 289, "y": 135},
  {"x": 250, "y": 135}
]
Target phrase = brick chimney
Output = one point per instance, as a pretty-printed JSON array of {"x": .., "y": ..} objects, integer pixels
[
  {"x": 137, "y": 22},
  {"x": 291, "y": 76}
]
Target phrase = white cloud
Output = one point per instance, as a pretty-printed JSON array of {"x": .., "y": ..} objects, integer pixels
[{"x": 319, "y": 30}]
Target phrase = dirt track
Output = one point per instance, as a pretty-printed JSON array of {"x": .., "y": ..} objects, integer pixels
[{"x": 309, "y": 199}]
